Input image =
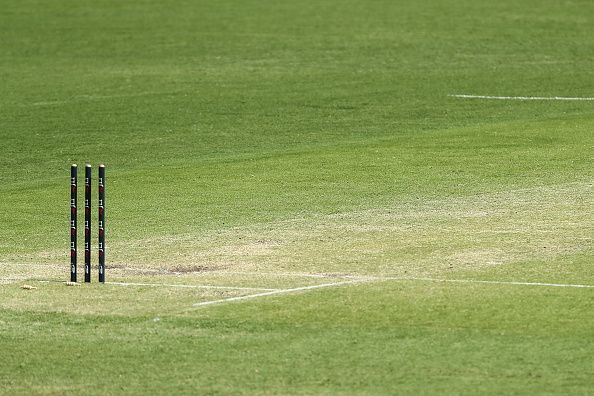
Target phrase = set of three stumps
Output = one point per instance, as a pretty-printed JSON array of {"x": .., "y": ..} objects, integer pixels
[{"x": 100, "y": 224}]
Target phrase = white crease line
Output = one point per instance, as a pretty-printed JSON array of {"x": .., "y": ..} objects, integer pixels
[
  {"x": 345, "y": 276},
  {"x": 192, "y": 286},
  {"x": 489, "y": 282},
  {"x": 516, "y": 283},
  {"x": 270, "y": 293},
  {"x": 520, "y": 97},
  {"x": 384, "y": 278}
]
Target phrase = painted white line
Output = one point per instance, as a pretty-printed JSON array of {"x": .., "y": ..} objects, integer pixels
[
  {"x": 463, "y": 96},
  {"x": 184, "y": 286},
  {"x": 326, "y": 276},
  {"x": 380, "y": 278},
  {"x": 192, "y": 286},
  {"x": 516, "y": 283},
  {"x": 276, "y": 292},
  {"x": 409, "y": 278}
]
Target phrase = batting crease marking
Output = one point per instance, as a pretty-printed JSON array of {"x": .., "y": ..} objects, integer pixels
[
  {"x": 515, "y": 283},
  {"x": 404, "y": 278},
  {"x": 13, "y": 280},
  {"x": 276, "y": 292},
  {"x": 463, "y": 96},
  {"x": 317, "y": 275}
]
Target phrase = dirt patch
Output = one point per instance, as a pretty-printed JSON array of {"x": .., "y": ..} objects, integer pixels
[{"x": 196, "y": 268}]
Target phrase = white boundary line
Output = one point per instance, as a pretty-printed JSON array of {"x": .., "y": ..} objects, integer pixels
[
  {"x": 463, "y": 96},
  {"x": 271, "y": 293}
]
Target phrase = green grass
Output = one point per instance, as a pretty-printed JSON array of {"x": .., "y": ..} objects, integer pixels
[{"x": 250, "y": 143}]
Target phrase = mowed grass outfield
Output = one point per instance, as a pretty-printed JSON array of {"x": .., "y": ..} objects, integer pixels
[{"x": 303, "y": 165}]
